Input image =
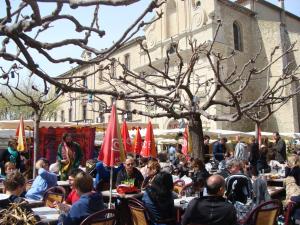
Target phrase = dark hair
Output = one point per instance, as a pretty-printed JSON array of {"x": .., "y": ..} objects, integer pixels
[
  {"x": 45, "y": 160},
  {"x": 162, "y": 157},
  {"x": 213, "y": 187},
  {"x": 14, "y": 180},
  {"x": 11, "y": 141},
  {"x": 74, "y": 172},
  {"x": 65, "y": 135},
  {"x": 276, "y": 133},
  {"x": 205, "y": 137},
  {"x": 199, "y": 163},
  {"x": 161, "y": 186},
  {"x": 83, "y": 182}
]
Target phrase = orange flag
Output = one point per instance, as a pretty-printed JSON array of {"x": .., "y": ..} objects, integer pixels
[
  {"x": 126, "y": 138},
  {"x": 137, "y": 142},
  {"x": 112, "y": 150},
  {"x": 187, "y": 142},
  {"x": 20, "y": 134},
  {"x": 149, "y": 149}
]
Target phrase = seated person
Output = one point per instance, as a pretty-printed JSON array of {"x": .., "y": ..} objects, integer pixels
[
  {"x": 88, "y": 203},
  {"x": 14, "y": 186},
  {"x": 9, "y": 167},
  {"x": 43, "y": 181},
  {"x": 130, "y": 175},
  {"x": 103, "y": 175},
  {"x": 73, "y": 196},
  {"x": 153, "y": 168},
  {"x": 212, "y": 209},
  {"x": 158, "y": 198}
]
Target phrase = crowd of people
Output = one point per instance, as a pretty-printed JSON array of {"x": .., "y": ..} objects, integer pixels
[{"x": 219, "y": 183}]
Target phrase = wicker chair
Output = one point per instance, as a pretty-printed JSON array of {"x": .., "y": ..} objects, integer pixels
[
  {"x": 140, "y": 214},
  {"x": 138, "y": 211},
  {"x": 264, "y": 214},
  {"x": 54, "y": 194},
  {"x": 103, "y": 217}
]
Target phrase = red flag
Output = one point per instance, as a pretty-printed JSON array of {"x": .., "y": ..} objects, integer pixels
[
  {"x": 137, "y": 142},
  {"x": 20, "y": 134},
  {"x": 126, "y": 138},
  {"x": 187, "y": 142},
  {"x": 148, "y": 149},
  {"x": 112, "y": 150}
]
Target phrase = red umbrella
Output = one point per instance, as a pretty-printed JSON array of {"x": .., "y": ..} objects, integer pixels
[
  {"x": 20, "y": 134},
  {"x": 187, "y": 142},
  {"x": 148, "y": 149},
  {"x": 137, "y": 142},
  {"x": 112, "y": 150},
  {"x": 126, "y": 138}
]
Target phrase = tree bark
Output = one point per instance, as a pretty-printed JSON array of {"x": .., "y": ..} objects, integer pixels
[
  {"x": 36, "y": 138},
  {"x": 196, "y": 131}
]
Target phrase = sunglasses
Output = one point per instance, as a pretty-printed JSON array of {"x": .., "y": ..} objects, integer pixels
[{"x": 129, "y": 164}]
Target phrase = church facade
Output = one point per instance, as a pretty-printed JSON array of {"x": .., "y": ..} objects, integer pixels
[{"x": 248, "y": 26}]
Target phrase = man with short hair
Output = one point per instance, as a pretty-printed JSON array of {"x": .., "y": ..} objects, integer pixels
[
  {"x": 213, "y": 208},
  {"x": 43, "y": 181},
  {"x": 219, "y": 149},
  {"x": 130, "y": 174},
  {"x": 206, "y": 148},
  {"x": 88, "y": 203},
  {"x": 279, "y": 148}
]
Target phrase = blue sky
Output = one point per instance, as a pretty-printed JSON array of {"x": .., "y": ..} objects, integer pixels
[{"x": 114, "y": 20}]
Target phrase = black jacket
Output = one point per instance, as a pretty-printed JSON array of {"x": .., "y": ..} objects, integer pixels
[
  {"x": 212, "y": 210},
  {"x": 136, "y": 175}
]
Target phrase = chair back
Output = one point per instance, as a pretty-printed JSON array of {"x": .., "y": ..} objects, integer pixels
[
  {"x": 288, "y": 213},
  {"x": 138, "y": 212},
  {"x": 103, "y": 217},
  {"x": 54, "y": 194},
  {"x": 264, "y": 214}
]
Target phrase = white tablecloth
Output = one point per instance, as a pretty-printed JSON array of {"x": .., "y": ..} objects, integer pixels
[
  {"x": 183, "y": 202},
  {"x": 46, "y": 214}
]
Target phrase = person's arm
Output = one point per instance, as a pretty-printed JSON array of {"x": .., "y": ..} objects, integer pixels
[{"x": 46, "y": 175}]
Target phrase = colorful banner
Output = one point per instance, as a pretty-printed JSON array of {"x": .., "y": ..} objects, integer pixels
[
  {"x": 20, "y": 134},
  {"x": 51, "y": 137}
]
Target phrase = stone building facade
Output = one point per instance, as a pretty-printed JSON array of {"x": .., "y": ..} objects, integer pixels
[{"x": 247, "y": 27}]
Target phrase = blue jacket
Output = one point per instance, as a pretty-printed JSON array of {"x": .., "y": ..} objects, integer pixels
[
  {"x": 165, "y": 210},
  {"x": 87, "y": 204},
  {"x": 103, "y": 172},
  {"x": 218, "y": 151},
  {"x": 41, "y": 183}
]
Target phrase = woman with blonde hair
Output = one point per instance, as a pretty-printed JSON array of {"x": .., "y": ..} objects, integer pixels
[{"x": 293, "y": 168}]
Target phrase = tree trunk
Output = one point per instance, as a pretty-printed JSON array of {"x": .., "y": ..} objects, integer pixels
[
  {"x": 36, "y": 140},
  {"x": 196, "y": 131}
]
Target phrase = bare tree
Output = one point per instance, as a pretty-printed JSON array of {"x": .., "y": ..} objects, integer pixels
[
  {"x": 27, "y": 98},
  {"x": 174, "y": 92}
]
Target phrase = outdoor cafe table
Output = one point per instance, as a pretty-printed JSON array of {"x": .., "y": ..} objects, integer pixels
[
  {"x": 48, "y": 215},
  {"x": 115, "y": 194}
]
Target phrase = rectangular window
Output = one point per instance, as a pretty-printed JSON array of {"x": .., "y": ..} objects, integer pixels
[
  {"x": 62, "y": 116},
  {"x": 113, "y": 69},
  {"x": 100, "y": 77},
  {"x": 70, "y": 114},
  {"x": 84, "y": 82},
  {"x": 55, "y": 116},
  {"x": 84, "y": 112},
  {"x": 127, "y": 61}
]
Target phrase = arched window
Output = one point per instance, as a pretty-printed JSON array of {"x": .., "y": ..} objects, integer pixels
[{"x": 237, "y": 37}]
